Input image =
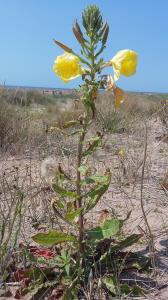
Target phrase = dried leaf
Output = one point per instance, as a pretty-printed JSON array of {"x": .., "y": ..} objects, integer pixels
[{"x": 119, "y": 96}]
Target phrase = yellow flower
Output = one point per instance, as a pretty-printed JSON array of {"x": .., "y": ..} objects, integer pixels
[
  {"x": 121, "y": 152},
  {"x": 124, "y": 63},
  {"x": 67, "y": 66}
]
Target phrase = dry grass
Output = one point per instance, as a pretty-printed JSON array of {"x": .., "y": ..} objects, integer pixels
[
  {"x": 25, "y": 116},
  {"x": 25, "y": 142},
  {"x": 134, "y": 108}
]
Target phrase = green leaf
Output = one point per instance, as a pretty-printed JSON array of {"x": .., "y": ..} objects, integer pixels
[
  {"x": 71, "y": 292},
  {"x": 109, "y": 228},
  {"x": 97, "y": 179},
  {"x": 129, "y": 241},
  {"x": 67, "y": 269},
  {"x": 33, "y": 292},
  {"x": 126, "y": 260},
  {"x": 36, "y": 273},
  {"x": 137, "y": 291},
  {"x": 63, "y": 192},
  {"x": 100, "y": 51},
  {"x": 96, "y": 142},
  {"x": 74, "y": 132},
  {"x": 69, "y": 206},
  {"x": 114, "y": 287},
  {"x": 64, "y": 261},
  {"x": 53, "y": 237},
  {"x": 97, "y": 192},
  {"x": 83, "y": 169},
  {"x": 60, "y": 203},
  {"x": 125, "y": 289},
  {"x": 92, "y": 139},
  {"x": 70, "y": 216},
  {"x": 137, "y": 261},
  {"x": 111, "y": 284},
  {"x": 70, "y": 123}
]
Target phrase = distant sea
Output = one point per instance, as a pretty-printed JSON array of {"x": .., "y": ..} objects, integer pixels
[
  {"x": 35, "y": 88},
  {"x": 71, "y": 89}
]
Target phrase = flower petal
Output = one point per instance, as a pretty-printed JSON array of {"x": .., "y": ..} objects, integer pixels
[
  {"x": 124, "y": 63},
  {"x": 67, "y": 67}
]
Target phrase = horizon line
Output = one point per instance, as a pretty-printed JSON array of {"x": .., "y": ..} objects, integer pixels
[{"x": 68, "y": 88}]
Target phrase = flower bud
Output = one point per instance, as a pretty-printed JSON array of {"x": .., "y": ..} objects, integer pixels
[{"x": 105, "y": 35}]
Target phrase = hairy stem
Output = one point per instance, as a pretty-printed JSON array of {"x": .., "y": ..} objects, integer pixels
[
  {"x": 79, "y": 153},
  {"x": 78, "y": 186}
]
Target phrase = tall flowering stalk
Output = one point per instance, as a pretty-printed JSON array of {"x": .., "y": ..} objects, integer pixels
[
  {"x": 88, "y": 65},
  {"x": 70, "y": 205}
]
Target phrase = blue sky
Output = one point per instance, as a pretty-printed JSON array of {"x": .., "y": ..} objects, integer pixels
[{"x": 27, "y": 28}]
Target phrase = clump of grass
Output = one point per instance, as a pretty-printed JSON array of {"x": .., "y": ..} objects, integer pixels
[
  {"x": 163, "y": 113},
  {"x": 135, "y": 107},
  {"x": 112, "y": 120},
  {"x": 19, "y": 128},
  {"x": 11, "y": 124},
  {"x": 11, "y": 209}
]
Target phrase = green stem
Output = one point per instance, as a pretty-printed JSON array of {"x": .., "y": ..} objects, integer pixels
[
  {"x": 92, "y": 58},
  {"x": 78, "y": 186},
  {"x": 80, "y": 149}
]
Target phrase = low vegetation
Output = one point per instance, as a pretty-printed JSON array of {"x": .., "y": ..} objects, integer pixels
[
  {"x": 35, "y": 268},
  {"x": 24, "y": 126},
  {"x": 75, "y": 192}
]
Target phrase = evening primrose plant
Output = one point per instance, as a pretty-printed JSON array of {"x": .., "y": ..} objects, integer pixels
[{"x": 77, "y": 194}]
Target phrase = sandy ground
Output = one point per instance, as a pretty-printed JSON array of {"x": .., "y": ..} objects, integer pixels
[{"x": 124, "y": 193}]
